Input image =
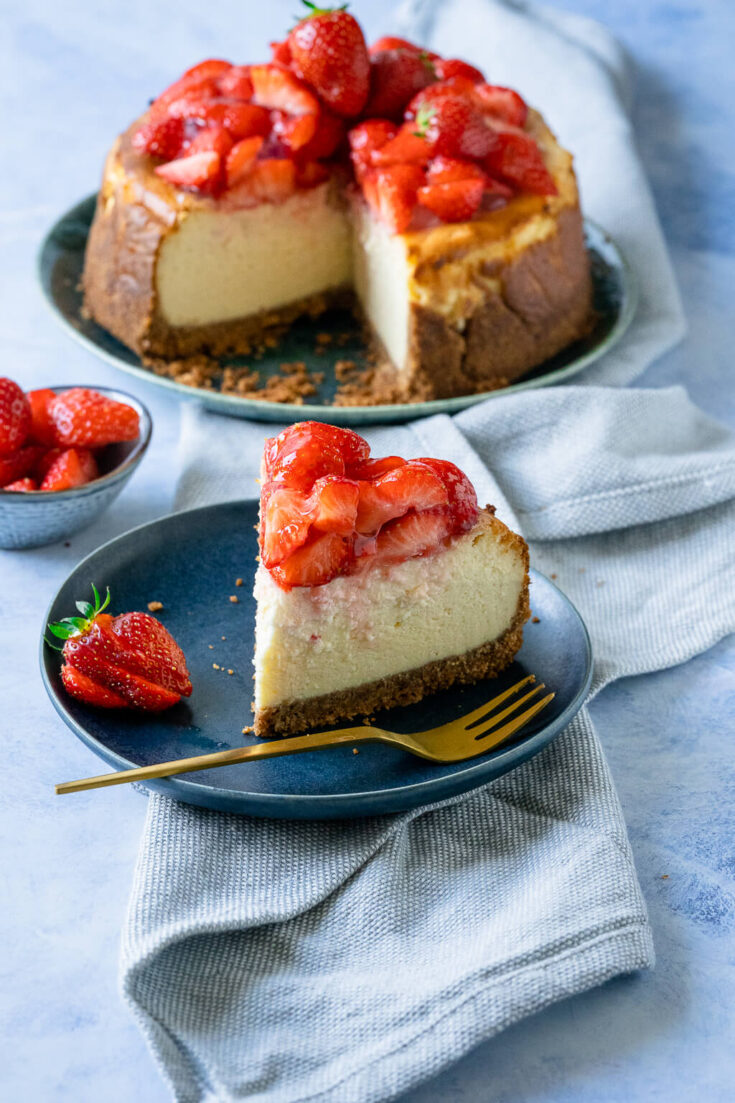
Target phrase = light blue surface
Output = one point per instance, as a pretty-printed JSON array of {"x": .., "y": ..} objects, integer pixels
[{"x": 75, "y": 74}]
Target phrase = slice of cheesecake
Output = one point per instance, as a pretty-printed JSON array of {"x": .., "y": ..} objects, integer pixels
[
  {"x": 379, "y": 582},
  {"x": 442, "y": 206}
]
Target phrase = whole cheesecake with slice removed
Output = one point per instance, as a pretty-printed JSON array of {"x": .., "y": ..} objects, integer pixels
[
  {"x": 394, "y": 178},
  {"x": 380, "y": 581}
]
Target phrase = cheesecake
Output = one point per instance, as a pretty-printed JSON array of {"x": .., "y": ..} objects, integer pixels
[
  {"x": 437, "y": 204},
  {"x": 379, "y": 581}
]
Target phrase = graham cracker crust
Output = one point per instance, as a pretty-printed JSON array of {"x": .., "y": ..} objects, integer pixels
[{"x": 405, "y": 688}]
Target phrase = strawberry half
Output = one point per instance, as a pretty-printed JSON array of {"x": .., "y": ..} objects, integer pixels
[
  {"x": 411, "y": 486},
  {"x": 412, "y": 535},
  {"x": 128, "y": 661},
  {"x": 19, "y": 464},
  {"x": 322, "y": 558},
  {"x": 279, "y": 90},
  {"x": 21, "y": 486},
  {"x": 42, "y": 429},
  {"x": 15, "y": 417},
  {"x": 160, "y": 137},
  {"x": 73, "y": 467},
  {"x": 328, "y": 51},
  {"x": 453, "y": 202},
  {"x": 501, "y": 103},
  {"x": 391, "y": 192},
  {"x": 200, "y": 171},
  {"x": 87, "y": 419},
  {"x": 516, "y": 159},
  {"x": 395, "y": 78}
]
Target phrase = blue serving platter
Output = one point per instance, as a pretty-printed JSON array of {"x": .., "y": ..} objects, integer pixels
[
  {"x": 190, "y": 562},
  {"x": 60, "y": 264}
]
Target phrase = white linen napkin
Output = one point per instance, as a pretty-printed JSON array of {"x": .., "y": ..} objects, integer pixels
[{"x": 339, "y": 962}]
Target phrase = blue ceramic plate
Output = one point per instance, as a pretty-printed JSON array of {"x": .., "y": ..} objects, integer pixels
[
  {"x": 60, "y": 267},
  {"x": 189, "y": 561}
]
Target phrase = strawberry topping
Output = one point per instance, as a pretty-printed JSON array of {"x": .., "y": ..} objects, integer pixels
[
  {"x": 407, "y": 107},
  {"x": 327, "y": 507}
]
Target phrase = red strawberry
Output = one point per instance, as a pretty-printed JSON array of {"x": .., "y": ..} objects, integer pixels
[
  {"x": 453, "y": 202},
  {"x": 284, "y": 523},
  {"x": 42, "y": 427},
  {"x": 74, "y": 467},
  {"x": 447, "y": 170},
  {"x": 502, "y": 103},
  {"x": 281, "y": 53},
  {"x": 322, "y": 558},
  {"x": 293, "y": 457},
  {"x": 461, "y": 492},
  {"x": 329, "y": 135},
  {"x": 516, "y": 158},
  {"x": 121, "y": 662},
  {"x": 15, "y": 417},
  {"x": 370, "y": 469},
  {"x": 328, "y": 51},
  {"x": 214, "y": 139},
  {"x": 391, "y": 192},
  {"x": 84, "y": 689},
  {"x": 310, "y": 174},
  {"x": 294, "y": 132},
  {"x": 241, "y": 158},
  {"x": 271, "y": 180},
  {"x": 395, "y": 78},
  {"x": 22, "y": 485},
  {"x": 412, "y": 535},
  {"x": 201, "y": 79},
  {"x": 279, "y": 90},
  {"x": 454, "y": 127},
  {"x": 236, "y": 83},
  {"x": 20, "y": 463},
  {"x": 392, "y": 42},
  {"x": 411, "y": 145},
  {"x": 86, "y": 419},
  {"x": 411, "y": 486},
  {"x": 160, "y": 137},
  {"x": 201, "y": 171},
  {"x": 44, "y": 462},
  {"x": 334, "y": 503},
  {"x": 365, "y": 139},
  {"x": 449, "y": 68}
]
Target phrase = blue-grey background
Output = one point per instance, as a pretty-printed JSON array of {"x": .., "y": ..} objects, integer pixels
[{"x": 71, "y": 76}]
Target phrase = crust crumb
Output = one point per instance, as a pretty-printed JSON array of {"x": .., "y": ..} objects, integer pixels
[
  {"x": 155, "y": 606},
  {"x": 234, "y": 599}
]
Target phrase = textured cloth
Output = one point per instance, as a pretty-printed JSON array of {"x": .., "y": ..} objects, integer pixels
[{"x": 339, "y": 962}]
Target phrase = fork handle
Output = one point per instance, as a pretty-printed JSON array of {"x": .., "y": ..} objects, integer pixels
[{"x": 292, "y": 745}]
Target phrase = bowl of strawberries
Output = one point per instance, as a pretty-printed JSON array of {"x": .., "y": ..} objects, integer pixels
[{"x": 65, "y": 455}]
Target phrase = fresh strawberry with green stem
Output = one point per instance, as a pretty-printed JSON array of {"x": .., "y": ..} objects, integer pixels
[
  {"x": 328, "y": 51},
  {"x": 127, "y": 661},
  {"x": 15, "y": 417}
]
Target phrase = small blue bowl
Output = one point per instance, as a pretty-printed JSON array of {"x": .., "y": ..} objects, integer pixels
[{"x": 32, "y": 518}]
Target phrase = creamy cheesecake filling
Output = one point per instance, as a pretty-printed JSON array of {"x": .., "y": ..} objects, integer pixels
[
  {"x": 386, "y": 619},
  {"x": 220, "y": 265},
  {"x": 381, "y": 275}
]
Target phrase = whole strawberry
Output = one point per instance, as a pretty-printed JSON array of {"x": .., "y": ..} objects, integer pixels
[
  {"x": 86, "y": 419},
  {"x": 128, "y": 661},
  {"x": 328, "y": 51},
  {"x": 15, "y": 417}
]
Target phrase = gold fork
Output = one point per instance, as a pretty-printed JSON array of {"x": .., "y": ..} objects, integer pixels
[{"x": 466, "y": 737}]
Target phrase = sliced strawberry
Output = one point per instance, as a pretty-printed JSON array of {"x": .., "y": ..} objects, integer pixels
[
  {"x": 365, "y": 139},
  {"x": 293, "y": 457},
  {"x": 449, "y": 68},
  {"x": 285, "y": 516},
  {"x": 392, "y": 42},
  {"x": 411, "y": 486},
  {"x": 321, "y": 559},
  {"x": 295, "y": 132},
  {"x": 214, "y": 139},
  {"x": 146, "y": 647},
  {"x": 516, "y": 158},
  {"x": 19, "y": 464},
  {"x": 334, "y": 500},
  {"x": 202, "y": 79},
  {"x": 201, "y": 172},
  {"x": 279, "y": 90},
  {"x": 270, "y": 180},
  {"x": 84, "y": 689},
  {"x": 74, "y": 467},
  {"x": 447, "y": 170},
  {"x": 391, "y": 192},
  {"x": 328, "y": 51},
  {"x": 87, "y": 419},
  {"x": 45, "y": 461},
  {"x": 328, "y": 136},
  {"x": 236, "y": 82},
  {"x": 241, "y": 159},
  {"x": 395, "y": 78},
  {"x": 42, "y": 427},
  {"x": 461, "y": 493},
  {"x": 246, "y": 120},
  {"x": 412, "y": 535},
  {"x": 370, "y": 469},
  {"x": 160, "y": 137},
  {"x": 453, "y": 202},
  {"x": 22, "y": 485},
  {"x": 15, "y": 417},
  {"x": 281, "y": 53},
  {"x": 502, "y": 103},
  {"x": 411, "y": 145},
  {"x": 136, "y": 690},
  {"x": 457, "y": 128}
]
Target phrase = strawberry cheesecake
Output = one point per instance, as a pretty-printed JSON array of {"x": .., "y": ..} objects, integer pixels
[
  {"x": 379, "y": 581},
  {"x": 390, "y": 177}
]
